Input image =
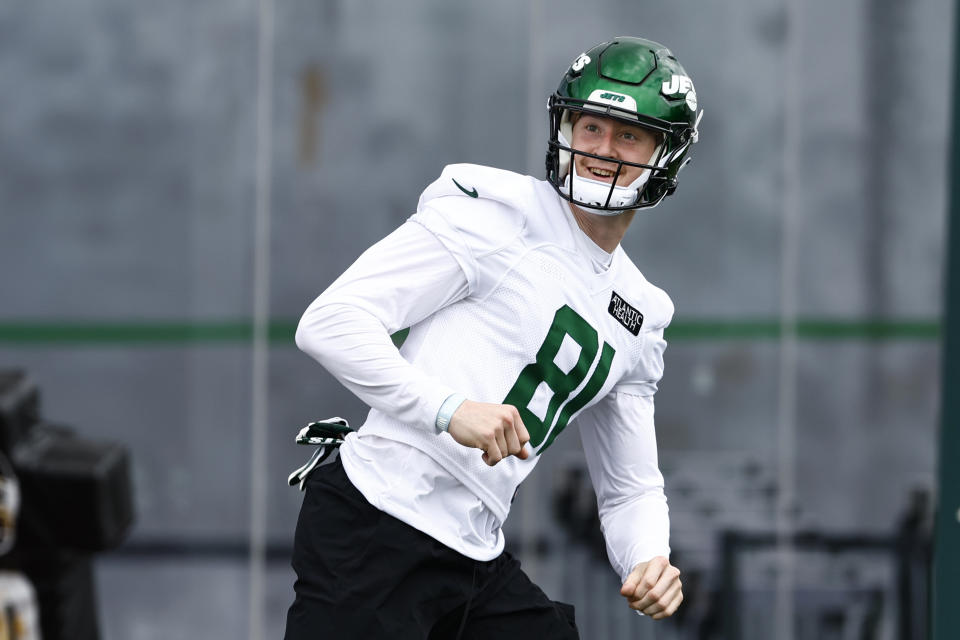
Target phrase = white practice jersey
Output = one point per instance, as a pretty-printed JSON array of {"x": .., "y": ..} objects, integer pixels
[{"x": 507, "y": 301}]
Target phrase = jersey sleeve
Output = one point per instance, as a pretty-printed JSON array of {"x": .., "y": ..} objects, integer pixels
[
  {"x": 645, "y": 377},
  {"x": 396, "y": 283},
  {"x": 620, "y": 446},
  {"x": 475, "y": 229},
  {"x": 449, "y": 249}
]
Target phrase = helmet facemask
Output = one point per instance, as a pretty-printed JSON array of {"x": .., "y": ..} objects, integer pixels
[{"x": 596, "y": 196}]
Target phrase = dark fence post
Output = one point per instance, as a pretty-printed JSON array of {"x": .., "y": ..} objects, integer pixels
[{"x": 946, "y": 555}]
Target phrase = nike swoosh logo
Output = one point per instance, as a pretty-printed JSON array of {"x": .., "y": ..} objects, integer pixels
[{"x": 472, "y": 194}]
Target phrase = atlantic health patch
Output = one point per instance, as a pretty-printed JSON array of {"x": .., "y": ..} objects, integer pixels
[{"x": 625, "y": 314}]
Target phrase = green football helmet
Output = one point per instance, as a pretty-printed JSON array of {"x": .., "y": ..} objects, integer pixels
[{"x": 635, "y": 81}]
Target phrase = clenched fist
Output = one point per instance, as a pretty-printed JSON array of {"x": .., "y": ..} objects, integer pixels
[
  {"x": 653, "y": 588},
  {"x": 495, "y": 429}
]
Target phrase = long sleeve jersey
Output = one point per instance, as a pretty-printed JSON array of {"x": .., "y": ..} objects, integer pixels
[{"x": 506, "y": 301}]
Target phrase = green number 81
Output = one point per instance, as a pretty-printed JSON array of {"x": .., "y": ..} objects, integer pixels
[{"x": 566, "y": 322}]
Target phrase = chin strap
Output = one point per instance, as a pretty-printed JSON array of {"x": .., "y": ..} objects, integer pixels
[{"x": 595, "y": 193}]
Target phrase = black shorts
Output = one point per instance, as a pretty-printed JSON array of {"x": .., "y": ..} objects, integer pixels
[{"x": 363, "y": 574}]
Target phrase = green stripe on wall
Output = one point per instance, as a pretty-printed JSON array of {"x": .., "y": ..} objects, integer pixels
[
  {"x": 136, "y": 333},
  {"x": 809, "y": 329},
  {"x": 54, "y": 334}
]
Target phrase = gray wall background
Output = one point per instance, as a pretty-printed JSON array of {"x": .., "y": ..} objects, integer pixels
[{"x": 128, "y": 155}]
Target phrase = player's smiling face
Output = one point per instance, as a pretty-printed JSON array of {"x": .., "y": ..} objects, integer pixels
[{"x": 611, "y": 138}]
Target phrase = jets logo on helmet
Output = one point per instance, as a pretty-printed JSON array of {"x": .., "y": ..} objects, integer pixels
[
  {"x": 677, "y": 84},
  {"x": 581, "y": 61},
  {"x": 612, "y": 98},
  {"x": 683, "y": 85},
  {"x": 636, "y": 81}
]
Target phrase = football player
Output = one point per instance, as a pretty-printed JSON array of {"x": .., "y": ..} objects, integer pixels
[{"x": 525, "y": 316}]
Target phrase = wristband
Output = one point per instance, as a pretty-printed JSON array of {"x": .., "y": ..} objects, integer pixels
[{"x": 447, "y": 409}]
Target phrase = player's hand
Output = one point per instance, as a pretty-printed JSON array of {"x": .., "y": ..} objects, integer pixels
[
  {"x": 654, "y": 588},
  {"x": 495, "y": 429}
]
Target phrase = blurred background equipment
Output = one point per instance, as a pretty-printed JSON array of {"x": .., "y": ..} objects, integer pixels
[
  {"x": 864, "y": 585},
  {"x": 804, "y": 252},
  {"x": 18, "y": 617},
  {"x": 75, "y": 499}
]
